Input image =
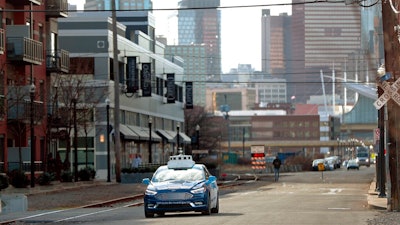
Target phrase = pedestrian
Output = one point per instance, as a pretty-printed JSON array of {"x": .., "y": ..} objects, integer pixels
[
  {"x": 277, "y": 165},
  {"x": 137, "y": 161}
]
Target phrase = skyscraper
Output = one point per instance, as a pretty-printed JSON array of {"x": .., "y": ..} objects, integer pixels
[
  {"x": 119, "y": 4},
  {"x": 134, "y": 19},
  {"x": 200, "y": 23},
  {"x": 275, "y": 42},
  {"x": 324, "y": 36}
]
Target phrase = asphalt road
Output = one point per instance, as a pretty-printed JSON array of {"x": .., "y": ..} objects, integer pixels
[{"x": 331, "y": 197}]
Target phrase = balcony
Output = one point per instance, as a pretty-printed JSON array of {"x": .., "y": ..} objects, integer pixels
[
  {"x": 24, "y": 2},
  {"x": 57, "y": 61},
  {"x": 25, "y": 50},
  {"x": 2, "y": 42},
  {"x": 57, "y": 8},
  {"x": 21, "y": 111},
  {"x": 19, "y": 105}
]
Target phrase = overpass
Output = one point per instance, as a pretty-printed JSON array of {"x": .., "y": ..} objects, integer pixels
[{"x": 296, "y": 143}]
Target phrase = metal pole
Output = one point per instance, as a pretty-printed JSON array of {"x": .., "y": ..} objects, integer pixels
[
  {"x": 33, "y": 150},
  {"x": 243, "y": 130},
  {"x": 150, "y": 153},
  {"x": 75, "y": 142},
  {"x": 381, "y": 154},
  {"x": 229, "y": 134},
  {"x": 32, "y": 93},
  {"x": 177, "y": 138},
  {"x": 108, "y": 141},
  {"x": 198, "y": 136}
]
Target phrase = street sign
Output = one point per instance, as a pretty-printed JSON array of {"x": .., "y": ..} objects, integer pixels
[
  {"x": 390, "y": 92},
  {"x": 197, "y": 151}
]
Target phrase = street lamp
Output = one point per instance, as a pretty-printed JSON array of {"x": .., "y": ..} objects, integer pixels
[
  {"x": 33, "y": 147},
  {"x": 74, "y": 100},
  {"x": 338, "y": 146},
  {"x": 198, "y": 136},
  {"x": 108, "y": 140},
  {"x": 243, "y": 140},
  {"x": 150, "y": 122},
  {"x": 225, "y": 110},
  {"x": 177, "y": 137}
]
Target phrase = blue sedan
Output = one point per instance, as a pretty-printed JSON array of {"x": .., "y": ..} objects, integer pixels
[{"x": 181, "y": 186}]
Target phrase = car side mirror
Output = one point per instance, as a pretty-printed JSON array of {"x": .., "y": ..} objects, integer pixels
[
  {"x": 146, "y": 181},
  {"x": 211, "y": 179}
]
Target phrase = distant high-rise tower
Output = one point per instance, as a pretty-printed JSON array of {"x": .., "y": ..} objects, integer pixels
[
  {"x": 202, "y": 26},
  {"x": 275, "y": 43},
  {"x": 137, "y": 20},
  {"x": 324, "y": 35},
  {"x": 119, "y": 4}
]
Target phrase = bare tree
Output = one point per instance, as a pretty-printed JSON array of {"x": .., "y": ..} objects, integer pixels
[
  {"x": 76, "y": 96},
  {"x": 211, "y": 128},
  {"x": 18, "y": 108}
]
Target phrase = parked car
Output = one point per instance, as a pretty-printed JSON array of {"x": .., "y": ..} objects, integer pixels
[
  {"x": 317, "y": 162},
  {"x": 181, "y": 186},
  {"x": 331, "y": 165},
  {"x": 344, "y": 164},
  {"x": 335, "y": 160},
  {"x": 353, "y": 164}
]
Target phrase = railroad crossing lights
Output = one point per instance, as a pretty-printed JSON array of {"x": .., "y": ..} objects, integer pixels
[
  {"x": 390, "y": 92},
  {"x": 258, "y": 158}
]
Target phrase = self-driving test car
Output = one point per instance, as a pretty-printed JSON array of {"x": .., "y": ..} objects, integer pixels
[{"x": 181, "y": 186}]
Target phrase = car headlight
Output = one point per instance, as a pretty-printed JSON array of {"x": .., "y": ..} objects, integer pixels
[
  {"x": 367, "y": 160},
  {"x": 198, "y": 189},
  {"x": 150, "y": 192}
]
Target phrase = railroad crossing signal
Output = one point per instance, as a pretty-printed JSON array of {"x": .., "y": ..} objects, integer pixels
[{"x": 390, "y": 93}]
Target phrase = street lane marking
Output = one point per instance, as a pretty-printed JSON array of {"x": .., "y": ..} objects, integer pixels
[
  {"x": 333, "y": 191},
  {"x": 90, "y": 214}
]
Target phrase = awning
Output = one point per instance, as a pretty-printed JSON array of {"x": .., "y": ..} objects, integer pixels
[
  {"x": 126, "y": 133},
  {"x": 143, "y": 133},
  {"x": 183, "y": 138},
  {"x": 165, "y": 135}
]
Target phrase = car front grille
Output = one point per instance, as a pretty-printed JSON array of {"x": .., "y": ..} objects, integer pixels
[
  {"x": 173, "y": 206},
  {"x": 174, "y": 196}
]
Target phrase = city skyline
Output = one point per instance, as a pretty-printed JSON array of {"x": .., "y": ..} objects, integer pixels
[{"x": 234, "y": 29}]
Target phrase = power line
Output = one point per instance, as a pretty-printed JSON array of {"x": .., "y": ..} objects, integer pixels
[{"x": 178, "y": 9}]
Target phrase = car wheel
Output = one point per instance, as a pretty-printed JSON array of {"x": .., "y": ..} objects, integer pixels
[
  {"x": 208, "y": 210},
  {"x": 148, "y": 214},
  {"x": 216, "y": 209}
]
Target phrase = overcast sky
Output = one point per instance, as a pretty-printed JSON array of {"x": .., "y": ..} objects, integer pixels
[{"x": 240, "y": 28}]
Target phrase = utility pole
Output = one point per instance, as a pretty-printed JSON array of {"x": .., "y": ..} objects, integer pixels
[
  {"x": 391, "y": 32},
  {"x": 117, "y": 143}
]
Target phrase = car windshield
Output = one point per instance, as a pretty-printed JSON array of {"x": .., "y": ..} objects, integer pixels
[
  {"x": 178, "y": 175},
  {"x": 362, "y": 154}
]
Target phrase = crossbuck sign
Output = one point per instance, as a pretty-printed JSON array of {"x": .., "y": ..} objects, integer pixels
[{"x": 390, "y": 92}]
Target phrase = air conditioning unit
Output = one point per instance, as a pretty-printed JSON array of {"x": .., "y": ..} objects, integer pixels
[{"x": 101, "y": 44}]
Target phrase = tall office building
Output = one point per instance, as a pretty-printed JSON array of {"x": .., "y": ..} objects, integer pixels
[
  {"x": 195, "y": 67},
  {"x": 275, "y": 42},
  {"x": 143, "y": 21},
  {"x": 119, "y": 4},
  {"x": 202, "y": 26},
  {"x": 324, "y": 35}
]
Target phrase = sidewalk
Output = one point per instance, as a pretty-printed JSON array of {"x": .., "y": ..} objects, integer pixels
[{"x": 374, "y": 201}]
